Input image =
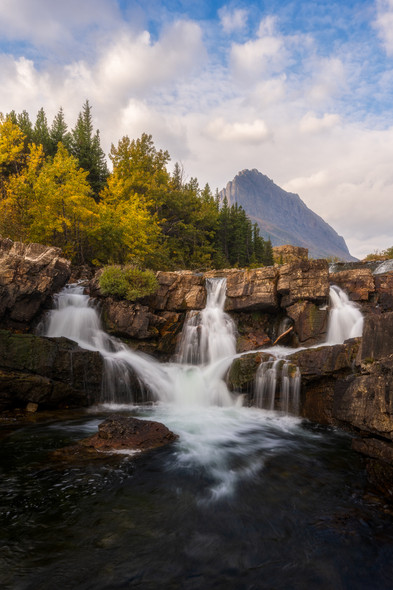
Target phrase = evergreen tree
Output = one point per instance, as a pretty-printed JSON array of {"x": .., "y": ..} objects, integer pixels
[
  {"x": 86, "y": 147},
  {"x": 40, "y": 135},
  {"x": 268, "y": 257},
  {"x": 58, "y": 133}
]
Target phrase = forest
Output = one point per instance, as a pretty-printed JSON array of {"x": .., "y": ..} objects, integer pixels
[{"x": 56, "y": 189}]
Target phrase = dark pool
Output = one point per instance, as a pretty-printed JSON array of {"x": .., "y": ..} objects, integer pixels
[{"x": 244, "y": 500}]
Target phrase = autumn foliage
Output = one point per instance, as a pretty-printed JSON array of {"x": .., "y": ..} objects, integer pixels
[{"x": 55, "y": 189}]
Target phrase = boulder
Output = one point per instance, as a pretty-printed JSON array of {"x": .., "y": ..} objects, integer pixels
[
  {"x": 118, "y": 433},
  {"x": 29, "y": 275},
  {"x": 131, "y": 320},
  {"x": 305, "y": 280},
  {"x": 53, "y": 372},
  {"x": 289, "y": 254},
  {"x": 358, "y": 283}
]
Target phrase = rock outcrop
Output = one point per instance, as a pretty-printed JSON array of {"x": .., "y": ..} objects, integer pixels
[
  {"x": 29, "y": 275},
  {"x": 288, "y": 254},
  {"x": 51, "y": 372}
]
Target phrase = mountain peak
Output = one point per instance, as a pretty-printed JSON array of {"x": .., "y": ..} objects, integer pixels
[{"x": 282, "y": 216}]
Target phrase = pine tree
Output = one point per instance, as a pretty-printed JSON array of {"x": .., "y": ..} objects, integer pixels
[
  {"x": 86, "y": 147},
  {"x": 40, "y": 133},
  {"x": 58, "y": 133},
  {"x": 268, "y": 258}
]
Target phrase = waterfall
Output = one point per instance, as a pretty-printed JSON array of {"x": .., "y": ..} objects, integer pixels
[
  {"x": 208, "y": 339},
  {"x": 276, "y": 388},
  {"x": 209, "y": 335},
  {"x": 345, "y": 319}
]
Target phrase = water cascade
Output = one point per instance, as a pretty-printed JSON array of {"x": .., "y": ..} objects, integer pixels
[
  {"x": 276, "y": 387},
  {"x": 208, "y": 339},
  {"x": 345, "y": 319}
]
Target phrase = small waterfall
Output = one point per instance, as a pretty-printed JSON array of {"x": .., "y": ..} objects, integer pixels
[
  {"x": 384, "y": 267},
  {"x": 208, "y": 339},
  {"x": 345, "y": 319},
  {"x": 208, "y": 335},
  {"x": 276, "y": 388}
]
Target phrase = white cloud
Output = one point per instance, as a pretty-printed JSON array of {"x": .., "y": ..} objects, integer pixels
[
  {"x": 328, "y": 79},
  {"x": 310, "y": 123},
  {"x": 384, "y": 24},
  {"x": 45, "y": 22},
  {"x": 251, "y": 133},
  {"x": 259, "y": 57},
  {"x": 233, "y": 20}
]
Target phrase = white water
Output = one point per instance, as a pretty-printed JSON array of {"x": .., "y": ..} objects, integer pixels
[
  {"x": 275, "y": 388},
  {"x": 209, "y": 336},
  {"x": 227, "y": 441},
  {"x": 345, "y": 319}
]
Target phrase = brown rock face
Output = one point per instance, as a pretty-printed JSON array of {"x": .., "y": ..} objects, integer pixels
[
  {"x": 249, "y": 290},
  {"x": 310, "y": 322},
  {"x": 367, "y": 402},
  {"x": 289, "y": 254},
  {"x": 384, "y": 291},
  {"x": 377, "y": 341},
  {"x": 304, "y": 280},
  {"x": 178, "y": 291},
  {"x": 29, "y": 275},
  {"x": 132, "y": 320},
  {"x": 357, "y": 283}
]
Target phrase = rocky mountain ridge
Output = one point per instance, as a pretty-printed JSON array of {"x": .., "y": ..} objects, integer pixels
[{"x": 284, "y": 217}]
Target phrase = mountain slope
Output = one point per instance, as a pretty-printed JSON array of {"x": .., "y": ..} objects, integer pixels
[{"x": 283, "y": 216}]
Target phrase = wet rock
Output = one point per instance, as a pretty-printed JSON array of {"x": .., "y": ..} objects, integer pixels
[
  {"x": 384, "y": 291},
  {"x": 29, "y": 275},
  {"x": 119, "y": 433},
  {"x": 358, "y": 283},
  {"x": 250, "y": 289},
  {"x": 289, "y": 254},
  {"x": 305, "y": 280},
  {"x": 326, "y": 361},
  {"x": 377, "y": 341},
  {"x": 367, "y": 401},
  {"x": 53, "y": 372},
  {"x": 253, "y": 330},
  {"x": 310, "y": 322}
]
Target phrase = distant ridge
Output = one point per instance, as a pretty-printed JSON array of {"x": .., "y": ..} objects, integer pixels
[{"x": 283, "y": 216}]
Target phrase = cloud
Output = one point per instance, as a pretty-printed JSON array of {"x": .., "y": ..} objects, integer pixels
[
  {"x": 48, "y": 23},
  {"x": 384, "y": 24},
  {"x": 259, "y": 57},
  {"x": 310, "y": 123},
  {"x": 233, "y": 20},
  {"x": 250, "y": 133}
]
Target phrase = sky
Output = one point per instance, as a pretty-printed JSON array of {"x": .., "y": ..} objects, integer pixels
[{"x": 300, "y": 90}]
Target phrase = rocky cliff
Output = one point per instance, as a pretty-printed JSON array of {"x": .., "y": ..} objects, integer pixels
[{"x": 283, "y": 216}]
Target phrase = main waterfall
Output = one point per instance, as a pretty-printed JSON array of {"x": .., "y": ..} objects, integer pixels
[{"x": 205, "y": 353}]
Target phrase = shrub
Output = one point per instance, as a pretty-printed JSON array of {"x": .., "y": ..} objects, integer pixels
[{"x": 128, "y": 282}]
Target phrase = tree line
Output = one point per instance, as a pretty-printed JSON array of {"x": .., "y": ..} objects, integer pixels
[{"x": 56, "y": 189}]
